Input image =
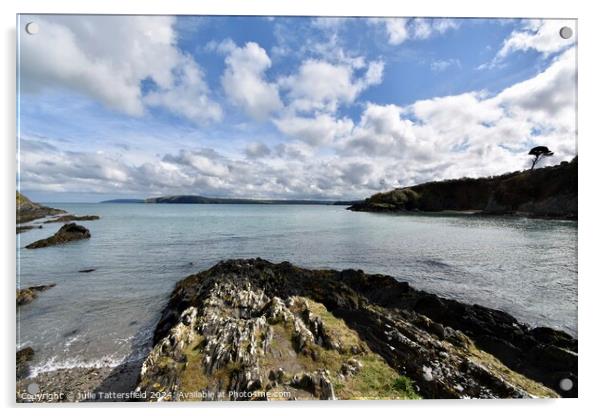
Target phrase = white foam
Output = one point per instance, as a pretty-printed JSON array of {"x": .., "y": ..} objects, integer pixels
[
  {"x": 110, "y": 361},
  {"x": 24, "y": 344},
  {"x": 54, "y": 364},
  {"x": 70, "y": 341}
]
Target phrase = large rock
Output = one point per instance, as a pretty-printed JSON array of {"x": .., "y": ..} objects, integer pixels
[
  {"x": 28, "y": 294},
  {"x": 248, "y": 328},
  {"x": 68, "y": 232}
]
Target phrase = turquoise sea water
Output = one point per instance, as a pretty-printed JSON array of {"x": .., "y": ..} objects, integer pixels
[{"x": 523, "y": 266}]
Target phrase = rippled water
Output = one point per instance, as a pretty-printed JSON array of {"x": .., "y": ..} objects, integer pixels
[{"x": 523, "y": 266}]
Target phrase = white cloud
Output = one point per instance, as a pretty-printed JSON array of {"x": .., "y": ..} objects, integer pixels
[
  {"x": 443, "y": 25},
  {"x": 401, "y": 29},
  {"x": 257, "y": 150},
  {"x": 542, "y": 36},
  {"x": 441, "y": 65},
  {"x": 452, "y": 117},
  {"x": 245, "y": 84},
  {"x": 381, "y": 131},
  {"x": 328, "y": 23},
  {"x": 323, "y": 153},
  {"x": 473, "y": 134},
  {"x": 548, "y": 100},
  {"x": 298, "y": 151},
  {"x": 205, "y": 162},
  {"x": 188, "y": 96},
  {"x": 396, "y": 30},
  {"x": 319, "y": 130},
  {"x": 107, "y": 58},
  {"x": 323, "y": 86}
]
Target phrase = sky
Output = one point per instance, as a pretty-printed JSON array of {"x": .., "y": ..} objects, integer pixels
[{"x": 285, "y": 107}]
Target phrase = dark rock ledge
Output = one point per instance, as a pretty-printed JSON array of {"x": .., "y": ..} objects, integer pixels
[
  {"x": 251, "y": 329},
  {"x": 68, "y": 232},
  {"x": 69, "y": 218}
]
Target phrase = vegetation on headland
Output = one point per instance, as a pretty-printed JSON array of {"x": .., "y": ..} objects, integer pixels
[{"x": 549, "y": 192}]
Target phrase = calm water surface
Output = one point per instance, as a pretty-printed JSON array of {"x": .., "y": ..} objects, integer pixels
[{"x": 523, "y": 266}]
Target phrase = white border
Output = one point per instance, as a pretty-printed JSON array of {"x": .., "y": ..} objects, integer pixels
[{"x": 589, "y": 145}]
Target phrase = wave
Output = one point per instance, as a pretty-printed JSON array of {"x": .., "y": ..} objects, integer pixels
[
  {"x": 54, "y": 364},
  {"x": 141, "y": 344}
]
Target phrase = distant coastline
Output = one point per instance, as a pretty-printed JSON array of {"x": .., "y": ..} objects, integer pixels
[
  {"x": 199, "y": 199},
  {"x": 123, "y": 201},
  {"x": 549, "y": 192}
]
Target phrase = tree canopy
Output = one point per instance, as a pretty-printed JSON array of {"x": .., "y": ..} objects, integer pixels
[{"x": 539, "y": 152}]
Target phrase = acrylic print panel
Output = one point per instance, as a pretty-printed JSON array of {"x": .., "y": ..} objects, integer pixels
[{"x": 279, "y": 208}]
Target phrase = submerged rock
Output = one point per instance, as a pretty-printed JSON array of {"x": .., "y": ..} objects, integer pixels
[
  {"x": 253, "y": 330},
  {"x": 68, "y": 232},
  {"x": 27, "y": 295}
]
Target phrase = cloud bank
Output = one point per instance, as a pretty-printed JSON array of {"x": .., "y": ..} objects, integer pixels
[{"x": 309, "y": 129}]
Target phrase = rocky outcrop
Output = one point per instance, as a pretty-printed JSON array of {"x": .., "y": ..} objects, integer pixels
[
  {"x": 68, "y": 232},
  {"x": 250, "y": 329},
  {"x": 29, "y": 211},
  {"x": 241, "y": 344},
  {"x": 549, "y": 192},
  {"x": 27, "y": 295},
  {"x": 69, "y": 218}
]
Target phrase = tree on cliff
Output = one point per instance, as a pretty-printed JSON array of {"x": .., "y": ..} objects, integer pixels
[{"x": 538, "y": 153}]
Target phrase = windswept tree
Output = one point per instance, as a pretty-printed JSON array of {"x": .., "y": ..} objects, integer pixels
[{"x": 538, "y": 153}]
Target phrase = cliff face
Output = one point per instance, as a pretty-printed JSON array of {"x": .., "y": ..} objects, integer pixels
[
  {"x": 250, "y": 329},
  {"x": 547, "y": 192},
  {"x": 29, "y": 211}
]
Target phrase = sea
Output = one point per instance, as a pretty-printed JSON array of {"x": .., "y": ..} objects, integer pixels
[{"x": 526, "y": 267}]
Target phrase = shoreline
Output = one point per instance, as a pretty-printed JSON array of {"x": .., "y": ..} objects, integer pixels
[
  {"x": 78, "y": 383},
  {"x": 452, "y": 213}
]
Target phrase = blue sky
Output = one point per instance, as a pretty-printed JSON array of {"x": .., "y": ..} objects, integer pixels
[{"x": 295, "y": 107}]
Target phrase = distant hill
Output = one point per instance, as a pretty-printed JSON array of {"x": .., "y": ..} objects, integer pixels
[
  {"x": 123, "y": 201},
  {"x": 546, "y": 192},
  {"x": 198, "y": 199}
]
